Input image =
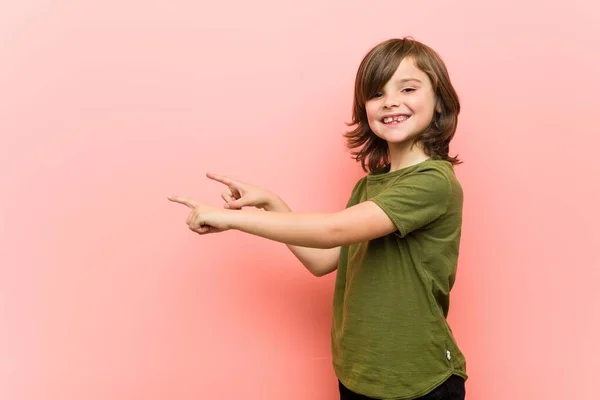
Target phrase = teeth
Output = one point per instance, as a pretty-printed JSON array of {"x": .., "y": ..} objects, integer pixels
[{"x": 398, "y": 118}]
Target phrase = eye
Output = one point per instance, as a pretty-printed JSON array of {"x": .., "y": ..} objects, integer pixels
[
  {"x": 377, "y": 95},
  {"x": 408, "y": 90}
]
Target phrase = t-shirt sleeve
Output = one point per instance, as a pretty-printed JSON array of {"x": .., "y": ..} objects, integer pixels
[{"x": 414, "y": 201}]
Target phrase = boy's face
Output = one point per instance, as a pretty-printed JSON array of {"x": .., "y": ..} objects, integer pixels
[{"x": 404, "y": 107}]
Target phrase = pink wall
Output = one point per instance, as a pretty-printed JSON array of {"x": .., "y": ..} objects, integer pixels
[{"x": 108, "y": 107}]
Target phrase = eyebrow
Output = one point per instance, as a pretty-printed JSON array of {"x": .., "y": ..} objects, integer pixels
[{"x": 404, "y": 80}]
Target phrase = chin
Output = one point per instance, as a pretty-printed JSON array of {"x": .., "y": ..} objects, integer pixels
[{"x": 396, "y": 138}]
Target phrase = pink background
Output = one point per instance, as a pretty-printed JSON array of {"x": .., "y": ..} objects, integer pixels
[{"x": 107, "y": 107}]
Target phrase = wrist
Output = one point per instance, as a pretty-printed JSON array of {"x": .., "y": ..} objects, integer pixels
[
  {"x": 231, "y": 218},
  {"x": 275, "y": 203}
]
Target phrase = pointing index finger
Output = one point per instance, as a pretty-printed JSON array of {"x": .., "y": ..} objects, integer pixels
[
  {"x": 183, "y": 200},
  {"x": 220, "y": 178}
]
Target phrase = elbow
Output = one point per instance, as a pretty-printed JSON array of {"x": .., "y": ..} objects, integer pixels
[
  {"x": 320, "y": 272},
  {"x": 316, "y": 273}
]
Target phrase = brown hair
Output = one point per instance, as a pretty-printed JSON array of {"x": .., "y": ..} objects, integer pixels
[{"x": 375, "y": 70}]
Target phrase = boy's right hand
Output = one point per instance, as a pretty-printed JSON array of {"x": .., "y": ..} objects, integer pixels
[{"x": 239, "y": 194}]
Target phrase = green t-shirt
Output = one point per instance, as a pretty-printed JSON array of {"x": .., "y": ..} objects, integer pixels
[{"x": 390, "y": 337}]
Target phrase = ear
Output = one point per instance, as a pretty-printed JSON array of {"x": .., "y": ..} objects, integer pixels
[{"x": 438, "y": 106}]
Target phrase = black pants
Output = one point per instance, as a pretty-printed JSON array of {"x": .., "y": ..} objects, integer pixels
[{"x": 452, "y": 389}]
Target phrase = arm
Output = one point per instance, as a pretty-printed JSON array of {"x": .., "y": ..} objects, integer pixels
[
  {"x": 314, "y": 238},
  {"x": 362, "y": 222},
  {"x": 318, "y": 262}
]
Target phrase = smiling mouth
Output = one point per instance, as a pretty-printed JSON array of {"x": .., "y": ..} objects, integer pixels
[{"x": 395, "y": 119}]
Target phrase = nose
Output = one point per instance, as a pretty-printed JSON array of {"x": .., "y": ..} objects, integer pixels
[{"x": 390, "y": 102}]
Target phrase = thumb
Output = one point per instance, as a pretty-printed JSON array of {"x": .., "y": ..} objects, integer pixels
[{"x": 237, "y": 204}]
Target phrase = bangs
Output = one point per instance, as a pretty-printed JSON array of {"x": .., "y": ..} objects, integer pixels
[{"x": 376, "y": 74}]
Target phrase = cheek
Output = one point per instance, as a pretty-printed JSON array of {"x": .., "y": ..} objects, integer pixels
[
  {"x": 424, "y": 119},
  {"x": 423, "y": 108},
  {"x": 371, "y": 113}
]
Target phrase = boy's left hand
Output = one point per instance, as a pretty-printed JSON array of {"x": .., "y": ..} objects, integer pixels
[{"x": 203, "y": 219}]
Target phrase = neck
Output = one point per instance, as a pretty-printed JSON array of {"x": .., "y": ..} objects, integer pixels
[{"x": 404, "y": 155}]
